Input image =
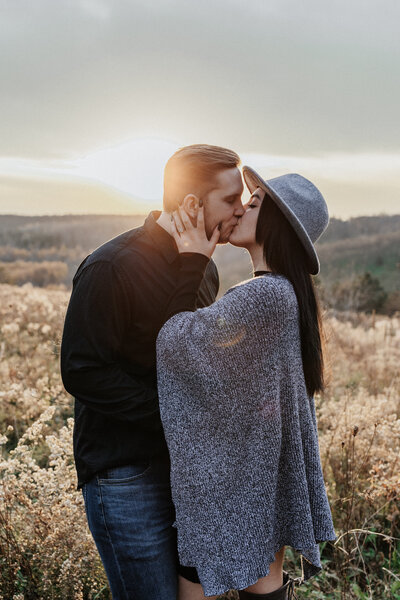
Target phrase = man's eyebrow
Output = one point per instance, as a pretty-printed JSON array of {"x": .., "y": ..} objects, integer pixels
[{"x": 232, "y": 196}]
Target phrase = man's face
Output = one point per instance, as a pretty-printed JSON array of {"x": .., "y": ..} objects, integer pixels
[{"x": 222, "y": 205}]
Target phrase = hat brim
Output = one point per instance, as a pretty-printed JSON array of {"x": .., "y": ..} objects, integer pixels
[{"x": 253, "y": 180}]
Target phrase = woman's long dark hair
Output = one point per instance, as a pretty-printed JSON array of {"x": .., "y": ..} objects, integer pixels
[{"x": 285, "y": 255}]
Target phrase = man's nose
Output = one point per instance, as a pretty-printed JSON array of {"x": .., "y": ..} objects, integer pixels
[{"x": 239, "y": 210}]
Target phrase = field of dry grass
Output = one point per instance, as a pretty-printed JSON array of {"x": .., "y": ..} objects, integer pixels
[{"x": 46, "y": 550}]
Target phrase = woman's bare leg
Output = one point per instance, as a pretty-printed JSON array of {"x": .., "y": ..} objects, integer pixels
[
  {"x": 187, "y": 590},
  {"x": 273, "y": 580}
]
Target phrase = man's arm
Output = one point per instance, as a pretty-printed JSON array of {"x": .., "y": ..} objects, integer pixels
[{"x": 97, "y": 318}]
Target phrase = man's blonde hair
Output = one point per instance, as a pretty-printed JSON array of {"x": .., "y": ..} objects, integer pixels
[{"x": 192, "y": 169}]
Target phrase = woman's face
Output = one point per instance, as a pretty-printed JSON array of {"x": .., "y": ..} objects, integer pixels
[{"x": 244, "y": 233}]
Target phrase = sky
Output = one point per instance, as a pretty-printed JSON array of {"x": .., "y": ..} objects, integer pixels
[{"x": 97, "y": 94}]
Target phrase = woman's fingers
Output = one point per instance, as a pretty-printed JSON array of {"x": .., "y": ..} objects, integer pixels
[
  {"x": 174, "y": 230},
  {"x": 215, "y": 236},
  {"x": 178, "y": 221},
  {"x": 200, "y": 218},
  {"x": 187, "y": 223},
  {"x": 183, "y": 220},
  {"x": 190, "y": 237}
]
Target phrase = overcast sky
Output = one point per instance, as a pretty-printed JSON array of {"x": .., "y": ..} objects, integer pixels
[{"x": 291, "y": 85}]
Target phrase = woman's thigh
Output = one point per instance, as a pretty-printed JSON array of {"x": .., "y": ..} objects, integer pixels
[
  {"x": 273, "y": 580},
  {"x": 188, "y": 590},
  {"x": 130, "y": 515}
]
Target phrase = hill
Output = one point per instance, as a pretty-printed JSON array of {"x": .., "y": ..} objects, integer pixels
[{"x": 46, "y": 250}]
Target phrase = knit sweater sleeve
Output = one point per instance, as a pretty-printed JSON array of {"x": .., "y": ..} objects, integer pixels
[{"x": 252, "y": 310}]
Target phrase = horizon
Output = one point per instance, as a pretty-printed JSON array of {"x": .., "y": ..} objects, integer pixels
[
  {"x": 128, "y": 178},
  {"x": 138, "y": 214}
]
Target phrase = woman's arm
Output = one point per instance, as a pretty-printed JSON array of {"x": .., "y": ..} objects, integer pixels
[
  {"x": 191, "y": 273},
  {"x": 247, "y": 319},
  {"x": 195, "y": 251}
]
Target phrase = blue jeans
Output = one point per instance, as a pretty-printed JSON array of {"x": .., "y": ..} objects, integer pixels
[{"x": 130, "y": 513}]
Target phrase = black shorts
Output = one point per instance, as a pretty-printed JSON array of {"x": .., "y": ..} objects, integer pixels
[{"x": 189, "y": 573}]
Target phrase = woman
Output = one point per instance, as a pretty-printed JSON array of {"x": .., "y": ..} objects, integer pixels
[{"x": 236, "y": 384}]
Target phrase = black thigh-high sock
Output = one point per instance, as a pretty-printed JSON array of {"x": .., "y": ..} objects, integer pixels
[{"x": 278, "y": 594}]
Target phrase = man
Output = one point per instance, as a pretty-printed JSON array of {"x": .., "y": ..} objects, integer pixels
[{"x": 108, "y": 354}]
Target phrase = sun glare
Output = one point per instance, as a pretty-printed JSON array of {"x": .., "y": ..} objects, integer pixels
[{"x": 135, "y": 167}]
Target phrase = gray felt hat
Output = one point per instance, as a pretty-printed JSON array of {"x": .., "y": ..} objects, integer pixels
[{"x": 302, "y": 204}]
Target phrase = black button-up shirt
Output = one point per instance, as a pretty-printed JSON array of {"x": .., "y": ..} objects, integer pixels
[{"x": 108, "y": 351}]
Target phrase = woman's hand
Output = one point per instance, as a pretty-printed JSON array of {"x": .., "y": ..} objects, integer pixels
[{"x": 191, "y": 238}]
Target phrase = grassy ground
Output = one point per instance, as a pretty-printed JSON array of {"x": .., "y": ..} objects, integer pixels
[{"x": 46, "y": 550}]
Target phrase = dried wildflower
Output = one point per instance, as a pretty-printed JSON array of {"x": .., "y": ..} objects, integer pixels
[{"x": 41, "y": 513}]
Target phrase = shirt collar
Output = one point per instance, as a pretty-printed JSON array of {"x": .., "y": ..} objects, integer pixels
[{"x": 161, "y": 238}]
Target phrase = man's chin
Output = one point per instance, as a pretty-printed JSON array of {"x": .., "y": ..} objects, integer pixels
[
  {"x": 225, "y": 237},
  {"x": 223, "y": 240}
]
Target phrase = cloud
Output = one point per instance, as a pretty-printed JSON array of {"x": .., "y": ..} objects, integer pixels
[
  {"x": 341, "y": 168},
  {"x": 58, "y": 195},
  {"x": 99, "y": 9},
  {"x": 128, "y": 177},
  {"x": 267, "y": 77}
]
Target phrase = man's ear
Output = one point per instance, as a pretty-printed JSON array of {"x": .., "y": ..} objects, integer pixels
[{"x": 191, "y": 205}]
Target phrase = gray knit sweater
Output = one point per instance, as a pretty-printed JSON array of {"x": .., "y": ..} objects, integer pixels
[{"x": 241, "y": 431}]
